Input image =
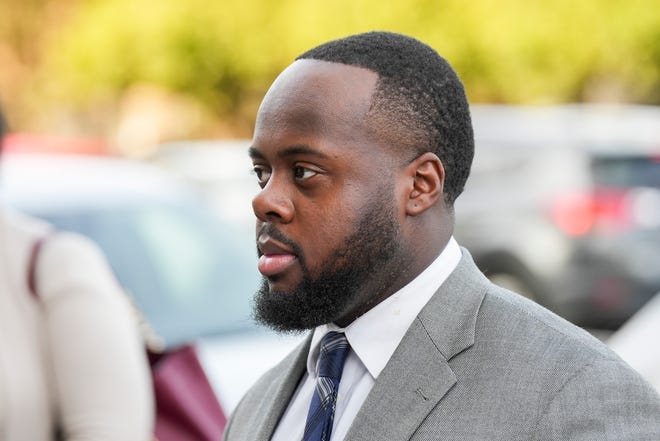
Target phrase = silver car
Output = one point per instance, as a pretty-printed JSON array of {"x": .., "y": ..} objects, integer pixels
[{"x": 563, "y": 204}]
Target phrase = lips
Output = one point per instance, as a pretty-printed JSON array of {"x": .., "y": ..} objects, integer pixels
[{"x": 274, "y": 257}]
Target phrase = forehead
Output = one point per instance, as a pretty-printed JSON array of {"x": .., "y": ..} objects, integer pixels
[{"x": 317, "y": 98}]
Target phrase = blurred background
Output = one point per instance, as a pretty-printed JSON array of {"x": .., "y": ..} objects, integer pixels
[
  {"x": 141, "y": 72},
  {"x": 130, "y": 120}
]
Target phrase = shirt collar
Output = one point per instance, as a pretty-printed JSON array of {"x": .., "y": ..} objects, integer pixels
[{"x": 375, "y": 335}]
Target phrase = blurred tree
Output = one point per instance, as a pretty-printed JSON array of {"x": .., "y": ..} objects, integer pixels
[
  {"x": 224, "y": 54},
  {"x": 25, "y": 28}
]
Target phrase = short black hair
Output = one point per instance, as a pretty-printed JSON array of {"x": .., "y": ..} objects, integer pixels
[{"x": 417, "y": 93}]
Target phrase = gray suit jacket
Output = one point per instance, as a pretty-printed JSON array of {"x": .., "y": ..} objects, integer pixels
[{"x": 479, "y": 363}]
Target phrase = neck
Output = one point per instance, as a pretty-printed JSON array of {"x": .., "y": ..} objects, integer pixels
[{"x": 394, "y": 275}]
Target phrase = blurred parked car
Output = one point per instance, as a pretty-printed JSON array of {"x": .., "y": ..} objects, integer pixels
[
  {"x": 637, "y": 341},
  {"x": 38, "y": 143},
  {"x": 192, "y": 273},
  {"x": 563, "y": 204}
]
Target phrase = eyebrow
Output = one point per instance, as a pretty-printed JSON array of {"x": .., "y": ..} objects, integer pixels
[
  {"x": 254, "y": 153},
  {"x": 299, "y": 149}
]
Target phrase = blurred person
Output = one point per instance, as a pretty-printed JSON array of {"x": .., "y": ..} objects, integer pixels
[
  {"x": 360, "y": 148},
  {"x": 72, "y": 362},
  {"x": 636, "y": 341}
]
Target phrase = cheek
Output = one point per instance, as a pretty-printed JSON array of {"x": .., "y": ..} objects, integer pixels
[
  {"x": 324, "y": 231},
  {"x": 325, "y": 223}
]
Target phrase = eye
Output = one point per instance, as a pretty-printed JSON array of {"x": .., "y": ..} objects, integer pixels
[
  {"x": 301, "y": 173},
  {"x": 262, "y": 173}
]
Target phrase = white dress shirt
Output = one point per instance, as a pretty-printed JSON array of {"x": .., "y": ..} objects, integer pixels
[{"x": 373, "y": 337}]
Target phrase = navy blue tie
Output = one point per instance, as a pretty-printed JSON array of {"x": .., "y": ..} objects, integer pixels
[{"x": 334, "y": 348}]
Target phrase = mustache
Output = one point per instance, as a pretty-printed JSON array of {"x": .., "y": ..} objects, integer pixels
[{"x": 276, "y": 234}]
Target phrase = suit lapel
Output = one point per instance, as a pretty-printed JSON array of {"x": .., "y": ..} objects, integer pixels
[
  {"x": 279, "y": 393},
  {"x": 418, "y": 375},
  {"x": 405, "y": 392}
]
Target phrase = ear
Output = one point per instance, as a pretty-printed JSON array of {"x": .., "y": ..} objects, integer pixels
[{"x": 428, "y": 180}]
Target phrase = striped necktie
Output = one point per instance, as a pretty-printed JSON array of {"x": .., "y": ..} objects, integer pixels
[{"x": 334, "y": 348}]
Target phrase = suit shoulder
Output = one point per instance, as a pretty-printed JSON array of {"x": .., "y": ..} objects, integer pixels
[
  {"x": 542, "y": 374},
  {"x": 539, "y": 348},
  {"x": 512, "y": 317}
]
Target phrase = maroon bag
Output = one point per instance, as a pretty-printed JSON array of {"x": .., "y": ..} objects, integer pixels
[{"x": 186, "y": 406}]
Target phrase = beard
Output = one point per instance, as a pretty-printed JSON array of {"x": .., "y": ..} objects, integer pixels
[{"x": 354, "y": 274}]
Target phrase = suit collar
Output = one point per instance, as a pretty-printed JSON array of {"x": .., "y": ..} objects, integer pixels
[
  {"x": 418, "y": 375},
  {"x": 450, "y": 316}
]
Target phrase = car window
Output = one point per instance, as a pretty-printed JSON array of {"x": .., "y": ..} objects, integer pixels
[
  {"x": 627, "y": 171},
  {"x": 192, "y": 274}
]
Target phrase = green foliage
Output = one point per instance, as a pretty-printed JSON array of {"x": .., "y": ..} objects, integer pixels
[{"x": 222, "y": 53}]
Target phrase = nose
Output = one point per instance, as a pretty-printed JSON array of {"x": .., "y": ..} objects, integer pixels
[{"x": 273, "y": 204}]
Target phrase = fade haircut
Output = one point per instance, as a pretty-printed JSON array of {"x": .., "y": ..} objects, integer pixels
[{"x": 419, "y": 102}]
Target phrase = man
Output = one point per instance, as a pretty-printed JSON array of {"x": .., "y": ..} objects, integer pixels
[{"x": 361, "y": 147}]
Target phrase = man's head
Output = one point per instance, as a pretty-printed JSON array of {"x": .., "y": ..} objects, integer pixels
[
  {"x": 360, "y": 147},
  {"x": 419, "y": 103}
]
